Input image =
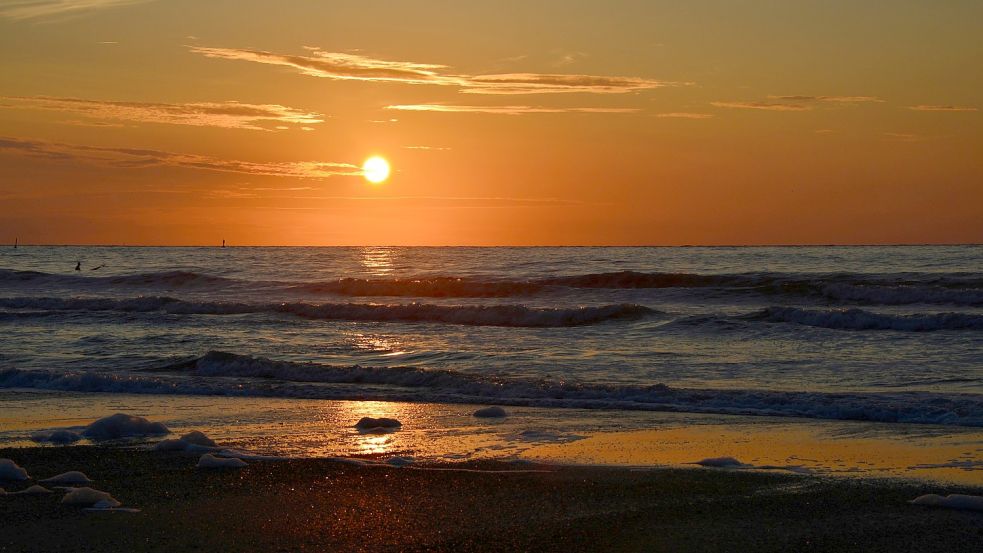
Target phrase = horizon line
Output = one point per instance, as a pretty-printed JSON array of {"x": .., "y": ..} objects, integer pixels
[{"x": 720, "y": 245}]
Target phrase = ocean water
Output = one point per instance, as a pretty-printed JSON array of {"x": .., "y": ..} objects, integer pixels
[{"x": 886, "y": 334}]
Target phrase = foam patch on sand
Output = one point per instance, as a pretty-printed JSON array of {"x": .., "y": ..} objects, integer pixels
[
  {"x": 194, "y": 442},
  {"x": 951, "y": 501},
  {"x": 722, "y": 462},
  {"x": 209, "y": 461},
  {"x": 491, "y": 413},
  {"x": 71, "y": 477},
  {"x": 382, "y": 425},
  {"x": 10, "y": 470},
  {"x": 59, "y": 436},
  {"x": 122, "y": 425},
  {"x": 88, "y": 497},
  {"x": 33, "y": 490}
]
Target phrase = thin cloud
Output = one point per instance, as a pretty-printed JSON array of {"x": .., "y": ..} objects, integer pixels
[
  {"x": 135, "y": 158},
  {"x": 39, "y": 9},
  {"x": 434, "y": 148},
  {"x": 229, "y": 115},
  {"x": 352, "y": 67},
  {"x": 797, "y": 102},
  {"x": 769, "y": 106},
  {"x": 833, "y": 99},
  {"x": 503, "y": 110},
  {"x": 904, "y": 137},
  {"x": 685, "y": 115},
  {"x": 942, "y": 108}
]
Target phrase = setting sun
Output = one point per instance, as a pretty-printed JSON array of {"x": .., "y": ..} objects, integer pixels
[{"x": 375, "y": 169}]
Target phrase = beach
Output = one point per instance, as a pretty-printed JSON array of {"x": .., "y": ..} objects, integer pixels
[{"x": 324, "y": 504}]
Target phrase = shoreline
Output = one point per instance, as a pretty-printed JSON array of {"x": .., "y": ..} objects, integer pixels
[
  {"x": 434, "y": 432},
  {"x": 320, "y": 504}
]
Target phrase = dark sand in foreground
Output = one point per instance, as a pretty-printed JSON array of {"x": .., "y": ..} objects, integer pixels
[{"x": 321, "y": 505}]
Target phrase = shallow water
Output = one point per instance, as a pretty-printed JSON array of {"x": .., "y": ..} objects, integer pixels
[{"x": 890, "y": 334}]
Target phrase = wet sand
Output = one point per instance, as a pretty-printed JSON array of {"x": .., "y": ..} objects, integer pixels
[{"x": 319, "y": 505}]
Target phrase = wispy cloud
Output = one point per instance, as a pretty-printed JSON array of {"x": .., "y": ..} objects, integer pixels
[
  {"x": 943, "y": 108},
  {"x": 904, "y": 137},
  {"x": 504, "y": 110},
  {"x": 352, "y": 67},
  {"x": 797, "y": 102},
  {"x": 229, "y": 115},
  {"x": 769, "y": 106},
  {"x": 833, "y": 99},
  {"x": 135, "y": 158},
  {"x": 38, "y": 9},
  {"x": 434, "y": 148},
  {"x": 685, "y": 115}
]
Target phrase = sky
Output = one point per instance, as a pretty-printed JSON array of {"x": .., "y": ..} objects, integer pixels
[{"x": 706, "y": 122}]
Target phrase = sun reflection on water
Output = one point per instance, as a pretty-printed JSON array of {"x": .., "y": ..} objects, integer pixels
[{"x": 378, "y": 261}]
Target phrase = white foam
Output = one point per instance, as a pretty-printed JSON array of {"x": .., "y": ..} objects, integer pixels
[
  {"x": 71, "y": 477},
  {"x": 192, "y": 442},
  {"x": 56, "y": 436},
  {"x": 88, "y": 497},
  {"x": 10, "y": 470},
  {"x": 721, "y": 462},
  {"x": 209, "y": 461},
  {"x": 491, "y": 412},
  {"x": 951, "y": 501},
  {"x": 32, "y": 490},
  {"x": 122, "y": 425}
]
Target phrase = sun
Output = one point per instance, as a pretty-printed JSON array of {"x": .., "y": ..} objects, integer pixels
[{"x": 375, "y": 169}]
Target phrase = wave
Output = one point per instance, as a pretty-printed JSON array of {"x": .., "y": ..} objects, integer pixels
[
  {"x": 874, "y": 289},
  {"x": 475, "y": 315},
  {"x": 858, "y": 319},
  {"x": 165, "y": 279},
  {"x": 220, "y": 373},
  {"x": 433, "y": 287}
]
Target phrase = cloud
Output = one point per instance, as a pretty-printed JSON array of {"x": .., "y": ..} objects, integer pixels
[
  {"x": 540, "y": 83},
  {"x": 796, "y": 103},
  {"x": 339, "y": 66},
  {"x": 135, "y": 158},
  {"x": 769, "y": 106},
  {"x": 503, "y": 110},
  {"x": 229, "y": 115},
  {"x": 943, "y": 108},
  {"x": 834, "y": 99},
  {"x": 39, "y": 9},
  {"x": 352, "y": 67},
  {"x": 904, "y": 137},
  {"x": 434, "y": 148},
  {"x": 685, "y": 115}
]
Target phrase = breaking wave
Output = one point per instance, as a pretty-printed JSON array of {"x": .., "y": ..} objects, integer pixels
[
  {"x": 858, "y": 319},
  {"x": 897, "y": 289},
  {"x": 476, "y": 315},
  {"x": 220, "y": 373}
]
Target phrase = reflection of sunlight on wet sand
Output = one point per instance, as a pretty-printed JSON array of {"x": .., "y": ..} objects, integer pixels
[
  {"x": 819, "y": 449},
  {"x": 378, "y": 261},
  {"x": 443, "y": 432}
]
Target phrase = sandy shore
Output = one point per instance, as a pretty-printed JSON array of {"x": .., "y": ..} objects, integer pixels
[{"x": 321, "y": 505}]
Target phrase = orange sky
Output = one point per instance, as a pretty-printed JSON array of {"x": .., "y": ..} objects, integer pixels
[{"x": 627, "y": 122}]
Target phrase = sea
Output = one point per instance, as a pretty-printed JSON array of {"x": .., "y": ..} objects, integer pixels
[{"x": 891, "y": 335}]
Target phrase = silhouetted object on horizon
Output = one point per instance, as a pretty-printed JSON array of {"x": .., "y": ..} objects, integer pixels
[
  {"x": 223, "y": 243},
  {"x": 15, "y": 243},
  {"x": 78, "y": 266}
]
